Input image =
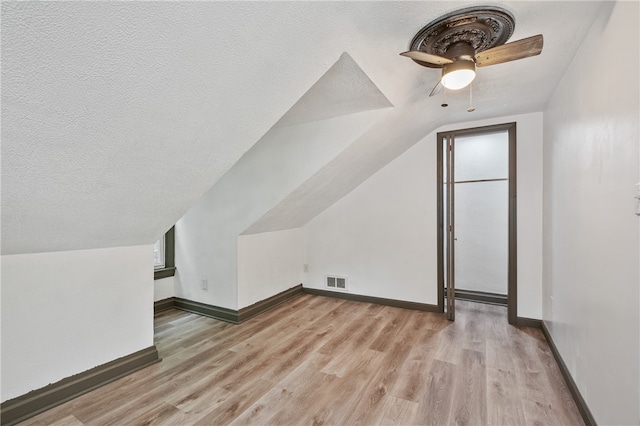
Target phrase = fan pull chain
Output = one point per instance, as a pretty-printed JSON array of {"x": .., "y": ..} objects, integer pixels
[
  {"x": 444, "y": 103},
  {"x": 471, "y": 107}
]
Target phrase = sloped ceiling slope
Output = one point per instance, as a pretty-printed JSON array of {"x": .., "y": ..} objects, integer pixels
[
  {"x": 288, "y": 155},
  {"x": 118, "y": 116},
  {"x": 344, "y": 89}
]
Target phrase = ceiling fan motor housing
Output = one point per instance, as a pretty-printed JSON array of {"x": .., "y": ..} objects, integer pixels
[{"x": 460, "y": 50}]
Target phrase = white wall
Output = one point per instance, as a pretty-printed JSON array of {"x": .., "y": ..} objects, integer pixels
[
  {"x": 67, "y": 312},
  {"x": 163, "y": 289},
  {"x": 206, "y": 237},
  {"x": 382, "y": 235},
  {"x": 591, "y": 241},
  {"x": 269, "y": 263}
]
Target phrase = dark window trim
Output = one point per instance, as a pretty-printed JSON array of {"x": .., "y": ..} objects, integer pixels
[{"x": 169, "y": 269}]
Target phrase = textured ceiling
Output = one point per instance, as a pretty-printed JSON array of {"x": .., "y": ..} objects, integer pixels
[
  {"x": 118, "y": 116},
  {"x": 344, "y": 89}
]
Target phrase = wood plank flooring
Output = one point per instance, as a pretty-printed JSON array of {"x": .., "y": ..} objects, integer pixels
[{"x": 317, "y": 360}]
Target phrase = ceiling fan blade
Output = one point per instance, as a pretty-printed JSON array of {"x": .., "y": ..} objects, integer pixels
[
  {"x": 530, "y": 46},
  {"x": 421, "y": 56},
  {"x": 436, "y": 89}
]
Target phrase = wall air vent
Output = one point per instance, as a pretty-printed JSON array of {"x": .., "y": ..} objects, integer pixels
[{"x": 336, "y": 282}]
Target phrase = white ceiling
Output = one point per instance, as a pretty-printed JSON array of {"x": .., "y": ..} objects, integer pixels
[
  {"x": 343, "y": 90},
  {"x": 118, "y": 116}
]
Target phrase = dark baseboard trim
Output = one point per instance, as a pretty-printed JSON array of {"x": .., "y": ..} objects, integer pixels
[
  {"x": 482, "y": 296},
  {"x": 225, "y": 314},
  {"x": 23, "y": 407},
  {"x": 528, "y": 322},
  {"x": 587, "y": 417},
  {"x": 266, "y": 304},
  {"x": 163, "y": 305},
  {"x": 217, "y": 312},
  {"x": 371, "y": 299}
]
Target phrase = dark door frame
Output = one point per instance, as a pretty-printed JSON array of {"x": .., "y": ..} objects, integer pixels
[{"x": 512, "y": 274}]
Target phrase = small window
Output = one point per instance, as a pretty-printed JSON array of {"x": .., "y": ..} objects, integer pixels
[
  {"x": 158, "y": 253},
  {"x": 163, "y": 256}
]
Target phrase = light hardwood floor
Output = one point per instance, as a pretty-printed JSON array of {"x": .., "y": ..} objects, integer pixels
[{"x": 318, "y": 360}]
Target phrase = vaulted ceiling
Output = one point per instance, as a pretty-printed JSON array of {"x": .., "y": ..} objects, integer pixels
[{"x": 118, "y": 116}]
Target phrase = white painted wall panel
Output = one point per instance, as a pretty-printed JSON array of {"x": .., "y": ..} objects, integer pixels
[
  {"x": 382, "y": 234},
  {"x": 591, "y": 242},
  {"x": 269, "y": 263},
  {"x": 163, "y": 289},
  {"x": 66, "y": 312}
]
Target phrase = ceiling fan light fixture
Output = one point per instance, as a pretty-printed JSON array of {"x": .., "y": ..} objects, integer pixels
[
  {"x": 461, "y": 40},
  {"x": 458, "y": 74}
]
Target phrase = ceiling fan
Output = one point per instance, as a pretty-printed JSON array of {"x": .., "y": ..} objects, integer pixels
[{"x": 466, "y": 38}]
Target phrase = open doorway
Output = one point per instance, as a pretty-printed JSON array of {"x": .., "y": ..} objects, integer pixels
[{"x": 477, "y": 217}]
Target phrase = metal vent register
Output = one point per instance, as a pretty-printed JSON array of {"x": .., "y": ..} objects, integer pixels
[{"x": 336, "y": 282}]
